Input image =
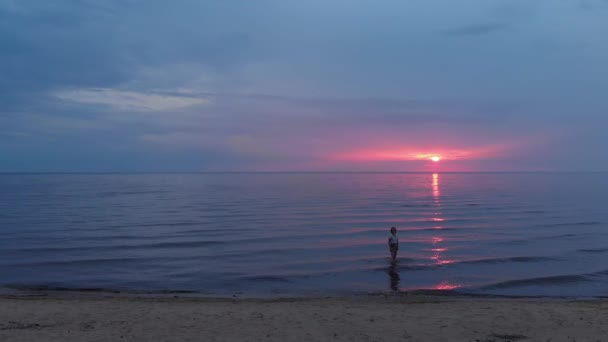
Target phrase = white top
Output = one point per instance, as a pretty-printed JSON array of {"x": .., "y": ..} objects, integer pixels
[{"x": 394, "y": 239}]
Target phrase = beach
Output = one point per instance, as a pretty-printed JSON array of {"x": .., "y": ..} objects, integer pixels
[{"x": 413, "y": 317}]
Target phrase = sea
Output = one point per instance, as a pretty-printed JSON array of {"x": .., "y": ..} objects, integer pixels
[{"x": 306, "y": 234}]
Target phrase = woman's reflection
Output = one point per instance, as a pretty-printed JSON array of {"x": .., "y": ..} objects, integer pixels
[{"x": 393, "y": 272}]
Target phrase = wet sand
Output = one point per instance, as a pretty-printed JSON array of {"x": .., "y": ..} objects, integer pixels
[{"x": 70, "y": 317}]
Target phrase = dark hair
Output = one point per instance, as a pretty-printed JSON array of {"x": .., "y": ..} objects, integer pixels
[{"x": 393, "y": 228}]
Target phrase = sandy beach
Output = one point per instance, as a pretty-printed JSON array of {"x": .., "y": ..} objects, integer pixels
[{"x": 369, "y": 318}]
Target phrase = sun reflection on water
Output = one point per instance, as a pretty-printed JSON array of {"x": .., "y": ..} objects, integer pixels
[
  {"x": 436, "y": 189},
  {"x": 437, "y": 241},
  {"x": 437, "y": 257}
]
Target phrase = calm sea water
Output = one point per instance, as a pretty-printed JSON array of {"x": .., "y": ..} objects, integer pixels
[{"x": 306, "y": 234}]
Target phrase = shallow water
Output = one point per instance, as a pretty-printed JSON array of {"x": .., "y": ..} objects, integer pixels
[{"x": 311, "y": 233}]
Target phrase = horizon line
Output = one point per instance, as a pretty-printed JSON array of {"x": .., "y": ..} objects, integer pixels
[{"x": 279, "y": 172}]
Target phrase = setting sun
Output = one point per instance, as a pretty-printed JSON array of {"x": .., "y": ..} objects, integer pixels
[{"x": 435, "y": 158}]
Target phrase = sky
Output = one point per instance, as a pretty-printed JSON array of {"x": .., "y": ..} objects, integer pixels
[{"x": 317, "y": 85}]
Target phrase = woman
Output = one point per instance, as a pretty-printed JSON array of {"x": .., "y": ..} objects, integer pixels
[{"x": 393, "y": 243}]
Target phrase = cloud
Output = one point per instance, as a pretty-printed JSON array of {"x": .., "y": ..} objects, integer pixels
[
  {"x": 130, "y": 100},
  {"x": 15, "y": 134},
  {"x": 82, "y": 44},
  {"x": 271, "y": 82},
  {"x": 592, "y": 4}
]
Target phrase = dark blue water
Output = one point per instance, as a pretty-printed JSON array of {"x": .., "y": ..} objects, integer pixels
[{"x": 300, "y": 234}]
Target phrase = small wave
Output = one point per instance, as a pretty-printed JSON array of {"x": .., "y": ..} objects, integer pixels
[
  {"x": 593, "y": 250},
  {"x": 115, "y": 238},
  {"x": 599, "y": 274},
  {"x": 435, "y": 220},
  {"x": 419, "y": 267},
  {"x": 166, "y": 224},
  {"x": 447, "y": 229},
  {"x": 585, "y": 223},
  {"x": 120, "y": 247},
  {"x": 126, "y": 193},
  {"x": 267, "y": 278},
  {"x": 512, "y": 242},
  {"x": 542, "y": 281},
  {"x": 434, "y": 292},
  {"x": 172, "y": 244},
  {"x": 509, "y": 259},
  {"x": 93, "y": 262},
  {"x": 216, "y": 232},
  {"x": 146, "y": 225},
  {"x": 51, "y": 288},
  {"x": 262, "y": 252},
  {"x": 83, "y": 262},
  {"x": 537, "y": 238},
  {"x": 558, "y": 236}
]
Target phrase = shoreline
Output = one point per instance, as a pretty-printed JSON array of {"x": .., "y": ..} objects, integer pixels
[
  {"x": 62, "y": 292},
  {"x": 400, "y": 297},
  {"x": 89, "y": 316}
]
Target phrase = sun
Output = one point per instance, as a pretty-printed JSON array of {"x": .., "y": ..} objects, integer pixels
[{"x": 435, "y": 158}]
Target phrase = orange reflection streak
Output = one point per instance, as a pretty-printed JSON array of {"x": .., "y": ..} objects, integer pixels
[
  {"x": 446, "y": 286},
  {"x": 438, "y": 250},
  {"x": 436, "y": 190},
  {"x": 436, "y": 239}
]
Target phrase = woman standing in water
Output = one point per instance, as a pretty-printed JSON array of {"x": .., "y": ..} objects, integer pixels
[{"x": 393, "y": 243}]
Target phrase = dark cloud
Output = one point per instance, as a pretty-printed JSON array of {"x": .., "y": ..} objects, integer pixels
[
  {"x": 76, "y": 43},
  {"x": 53, "y": 46}
]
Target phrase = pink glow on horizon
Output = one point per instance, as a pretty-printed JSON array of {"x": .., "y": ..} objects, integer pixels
[
  {"x": 371, "y": 153},
  {"x": 386, "y": 153},
  {"x": 404, "y": 154}
]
